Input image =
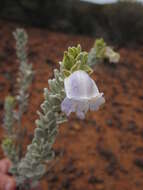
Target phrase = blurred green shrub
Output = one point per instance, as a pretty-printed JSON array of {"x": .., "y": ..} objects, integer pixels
[
  {"x": 121, "y": 23},
  {"x": 124, "y": 22},
  {"x": 85, "y": 17},
  {"x": 35, "y": 11}
]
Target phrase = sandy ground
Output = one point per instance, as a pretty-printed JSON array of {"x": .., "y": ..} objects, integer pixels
[{"x": 103, "y": 152}]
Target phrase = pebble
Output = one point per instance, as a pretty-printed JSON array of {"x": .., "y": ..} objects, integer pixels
[
  {"x": 2, "y": 85},
  {"x": 100, "y": 187},
  {"x": 109, "y": 122},
  {"x": 1, "y": 105},
  {"x": 139, "y": 163},
  {"x": 94, "y": 180},
  {"x": 76, "y": 126},
  {"x": 132, "y": 127},
  {"x": 139, "y": 150},
  {"x": 66, "y": 183}
]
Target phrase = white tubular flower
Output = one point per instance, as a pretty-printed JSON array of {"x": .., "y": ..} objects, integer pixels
[
  {"x": 111, "y": 55},
  {"x": 82, "y": 94}
]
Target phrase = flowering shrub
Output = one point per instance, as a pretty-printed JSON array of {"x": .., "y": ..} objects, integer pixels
[
  {"x": 101, "y": 51},
  {"x": 71, "y": 90}
]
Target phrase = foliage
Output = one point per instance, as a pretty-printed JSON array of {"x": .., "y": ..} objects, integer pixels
[
  {"x": 25, "y": 70},
  {"x": 40, "y": 151},
  {"x": 74, "y": 59},
  {"x": 13, "y": 141},
  {"x": 10, "y": 149},
  {"x": 31, "y": 167},
  {"x": 101, "y": 51},
  {"x": 120, "y": 22},
  {"x": 124, "y": 22},
  {"x": 35, "y": 12},
  {"x": 9, "y": 114}
]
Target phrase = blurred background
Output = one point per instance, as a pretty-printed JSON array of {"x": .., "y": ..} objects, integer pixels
[
  {"x": 105, "y": 151},
  {"x": 118, "y": 21}
]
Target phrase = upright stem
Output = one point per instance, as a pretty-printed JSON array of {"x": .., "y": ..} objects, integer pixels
[{"x": 19, "y": 136}]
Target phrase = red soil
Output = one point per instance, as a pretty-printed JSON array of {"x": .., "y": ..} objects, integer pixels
[{"x": 103, "y": 152}]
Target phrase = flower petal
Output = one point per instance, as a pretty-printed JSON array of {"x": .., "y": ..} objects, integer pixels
[
  {"x": 82, "y": 95},
  {"x": 68, "y": 106},
  {"x": 82, "y": 106},
  {"x": 96, "y": 102},
  {"x": 80, "y": 115},
  {"x": 79, "y": 85}
]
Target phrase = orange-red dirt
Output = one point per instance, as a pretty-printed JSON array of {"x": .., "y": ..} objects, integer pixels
[{"x": 103, "y": 152}]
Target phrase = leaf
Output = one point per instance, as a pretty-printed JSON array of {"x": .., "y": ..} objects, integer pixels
[
  {"x": 39, "y": 133},
  {"x": 66, "y": 72}
]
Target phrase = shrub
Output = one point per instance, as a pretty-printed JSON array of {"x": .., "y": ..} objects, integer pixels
[{"x": 124, "y": 22}]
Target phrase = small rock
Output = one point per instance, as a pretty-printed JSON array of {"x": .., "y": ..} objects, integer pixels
[
  {"x": 32, "y": 54},
  {"x": 138, "y": 110},
  {"x": 77, "y": 127},
  {"x": 1, "y": 105},
  {"x": 111, "y": 168},
  {"x": 139, "y": 150},
  {"x": 139, "y": 163},
  {"x": 69, "y": 167},
  {"x": 8, "y": 76},
  {"x": 109, "y": 156},
  {"x": 109, "y": 122},
  {"x": 94, "y": 180},
  {"x": 120, "y": 111},
  {"x": 52, "y": 178},
  {"x": 106, "y": 153},
  {"x": 115, "y": 104},
  {"x": 2, "y": 85},
  {"x": 9, "y": 51},
  {"x": 100, "y": 187},
  {"x": 50, "y": 62},
  {"x": 132, "y": 127},
  {"x": 59, "y": 152},
  {"x": 79, "y": 173},
  {"x": 118, "y": 122},
  {"x": 3, "y": 57},
  {"x": 66, "y": 183},
  {"x": 141, "y": 97}
]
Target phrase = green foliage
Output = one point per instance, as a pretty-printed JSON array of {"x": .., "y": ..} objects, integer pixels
[
  {"x": 9, "y": 115},
  {"x": 100, "y": 47},
  {"x": 101, "y": 51},
  {"x": 74, "y": 59},
  {"x": 10, "y": 149},
  {"x": 25, "y": 70},
  {"x": 13, "y": 143},
  {"x": 97, "y": 53},
  {"x": 32, "y": 167},
  {"x": 36, "y": 12},
  {"x": 8, "y": 143},
  {"x": 124, "y": 22},
  {"x": 21, "y": 38},
  {"x": 119, "y": 22},
  {"x": 40, "y": 151}
]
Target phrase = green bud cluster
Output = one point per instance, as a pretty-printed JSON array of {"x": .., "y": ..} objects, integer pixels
[{"x": 75, "y": 59}]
